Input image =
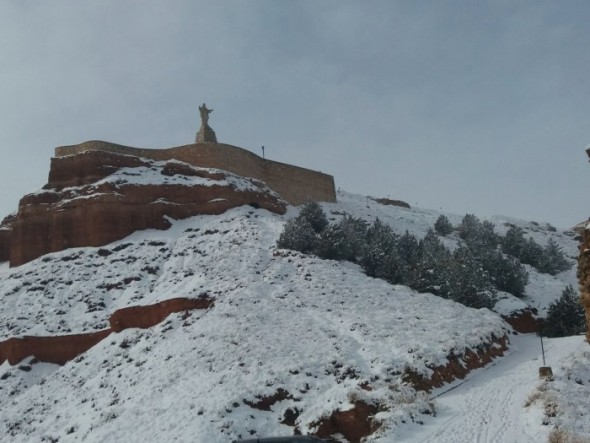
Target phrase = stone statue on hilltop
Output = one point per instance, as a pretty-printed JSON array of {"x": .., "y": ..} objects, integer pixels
[
  {"x": 205, "y": 115},
  {"x": 206, "y": 133}
]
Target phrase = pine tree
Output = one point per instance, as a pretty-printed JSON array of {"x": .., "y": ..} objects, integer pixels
[
  {"x": 344, "y": 240},
  {"x": 513, "y": 243},
  {"x": 379, "y": 244},
  {"x": 332, "y": 244},
  {"x": 467, "y": 282},
  {"x": 443, "y": 226},
  {"x": 506, "y": 272},
  {"x": 531, "y": 253},
  {"x": 314, "y": 214},
  {"x": 407, "y": 250},
  {"x": 432, "y": 263},
  {"x": 552, "y": 260},
  {"x": 469, "y": 227},
  {"x": 477, "y": 234},
  {"x": 298, "y": 235},
  {"x": 354, "y": 231},
  {"x": 565, "y": 316},
  {"x": 486, "y": 236}
]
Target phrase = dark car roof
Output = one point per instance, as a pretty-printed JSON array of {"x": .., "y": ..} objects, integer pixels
[{"x": 292, "y": 439}]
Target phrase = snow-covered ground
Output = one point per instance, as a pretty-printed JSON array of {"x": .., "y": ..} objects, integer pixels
[
  {"x": 542, "y": 289},
  {"x": 565, "y": 400},
  {"x": 492, "y": 405},
  {"x": 282, "y": 322}
]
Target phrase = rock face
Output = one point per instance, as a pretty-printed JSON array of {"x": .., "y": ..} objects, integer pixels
[
  {"x": 584, "y": 276},
  {"x": 59, "y": 349},
  {"x": 147, "y": 316},
  {"x": 96, "y": 197},
  {"x": 63, "y": 348},
  {"x": 5, "y": 231}
]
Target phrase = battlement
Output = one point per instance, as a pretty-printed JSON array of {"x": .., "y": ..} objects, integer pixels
[{"x": 296, "y": 185}]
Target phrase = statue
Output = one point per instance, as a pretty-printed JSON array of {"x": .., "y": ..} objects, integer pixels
[
  {"x": 205, "y": 115},
  {"x": 206, "y": 134}
]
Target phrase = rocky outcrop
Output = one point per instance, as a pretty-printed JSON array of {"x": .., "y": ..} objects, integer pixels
[
  {"x": 95, "y": 198},
  {"x": 390, "y": 202},
  {"x": 63, "y": 348},
  {"x": 147, "y": 316},
  {"x": 5, "y": 231},
  {"x": 58, "y": 349},
  {"x": 584, "y": 276}
]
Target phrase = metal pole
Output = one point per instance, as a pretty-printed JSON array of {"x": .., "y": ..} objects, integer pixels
[
  {"x": 262, "y": 151},
  {"x": 542, "y": 349}
]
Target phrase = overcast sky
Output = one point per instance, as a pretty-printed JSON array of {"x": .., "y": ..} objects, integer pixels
[{"x": 465, "y": 106}]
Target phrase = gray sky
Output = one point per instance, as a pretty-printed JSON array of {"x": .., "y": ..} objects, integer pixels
[{"x": 465, "y": 106}]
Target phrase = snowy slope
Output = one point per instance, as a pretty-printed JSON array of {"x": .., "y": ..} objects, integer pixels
[
  {"x": 494, "y": 404},
  {"x": 542, "y": 289},
  {"x": 282, "y": 322}
]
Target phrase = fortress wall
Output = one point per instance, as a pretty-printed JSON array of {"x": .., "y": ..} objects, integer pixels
[{"x": 296, "y": 185}]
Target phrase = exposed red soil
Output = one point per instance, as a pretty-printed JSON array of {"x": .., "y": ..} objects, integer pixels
[
  {"x": 147, "y": 316},
  {"x": 58, "y": 349},
  {"x": 264, "y": 403},
  {"x": 63, "y": 348},
  {"x": 353, "y": 424},
  {"x": 524, "y": 321},
  {"x": 458, "y": 366}
]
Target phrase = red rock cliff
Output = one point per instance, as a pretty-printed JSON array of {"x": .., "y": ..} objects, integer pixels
[
  {"x": 95, "y": 198},
  {"x": 62, "y": 348}
]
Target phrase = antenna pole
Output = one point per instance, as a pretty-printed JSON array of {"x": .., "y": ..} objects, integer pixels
[{"x": 262, "y": 151}]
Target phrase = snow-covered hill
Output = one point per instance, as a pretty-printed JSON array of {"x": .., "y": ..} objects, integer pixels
[{"x": 290, "y": 339}]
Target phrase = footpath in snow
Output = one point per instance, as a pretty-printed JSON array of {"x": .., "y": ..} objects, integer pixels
[{"x": 489, "y": 405}]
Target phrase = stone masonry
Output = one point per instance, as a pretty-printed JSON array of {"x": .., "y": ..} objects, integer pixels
[{"x": 296, "y": 185}]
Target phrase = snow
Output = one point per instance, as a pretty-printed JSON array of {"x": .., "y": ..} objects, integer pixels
[
  {"x": 151, "y": 174},
  {"x": 507, "y": 304},
  {"x": 282, "y": 320},
  {"x": 491, "y": 405},
  {"x": 569, "y": 391}
]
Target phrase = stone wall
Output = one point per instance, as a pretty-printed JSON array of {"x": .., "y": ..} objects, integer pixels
[{"x": 296, "y": 185}]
